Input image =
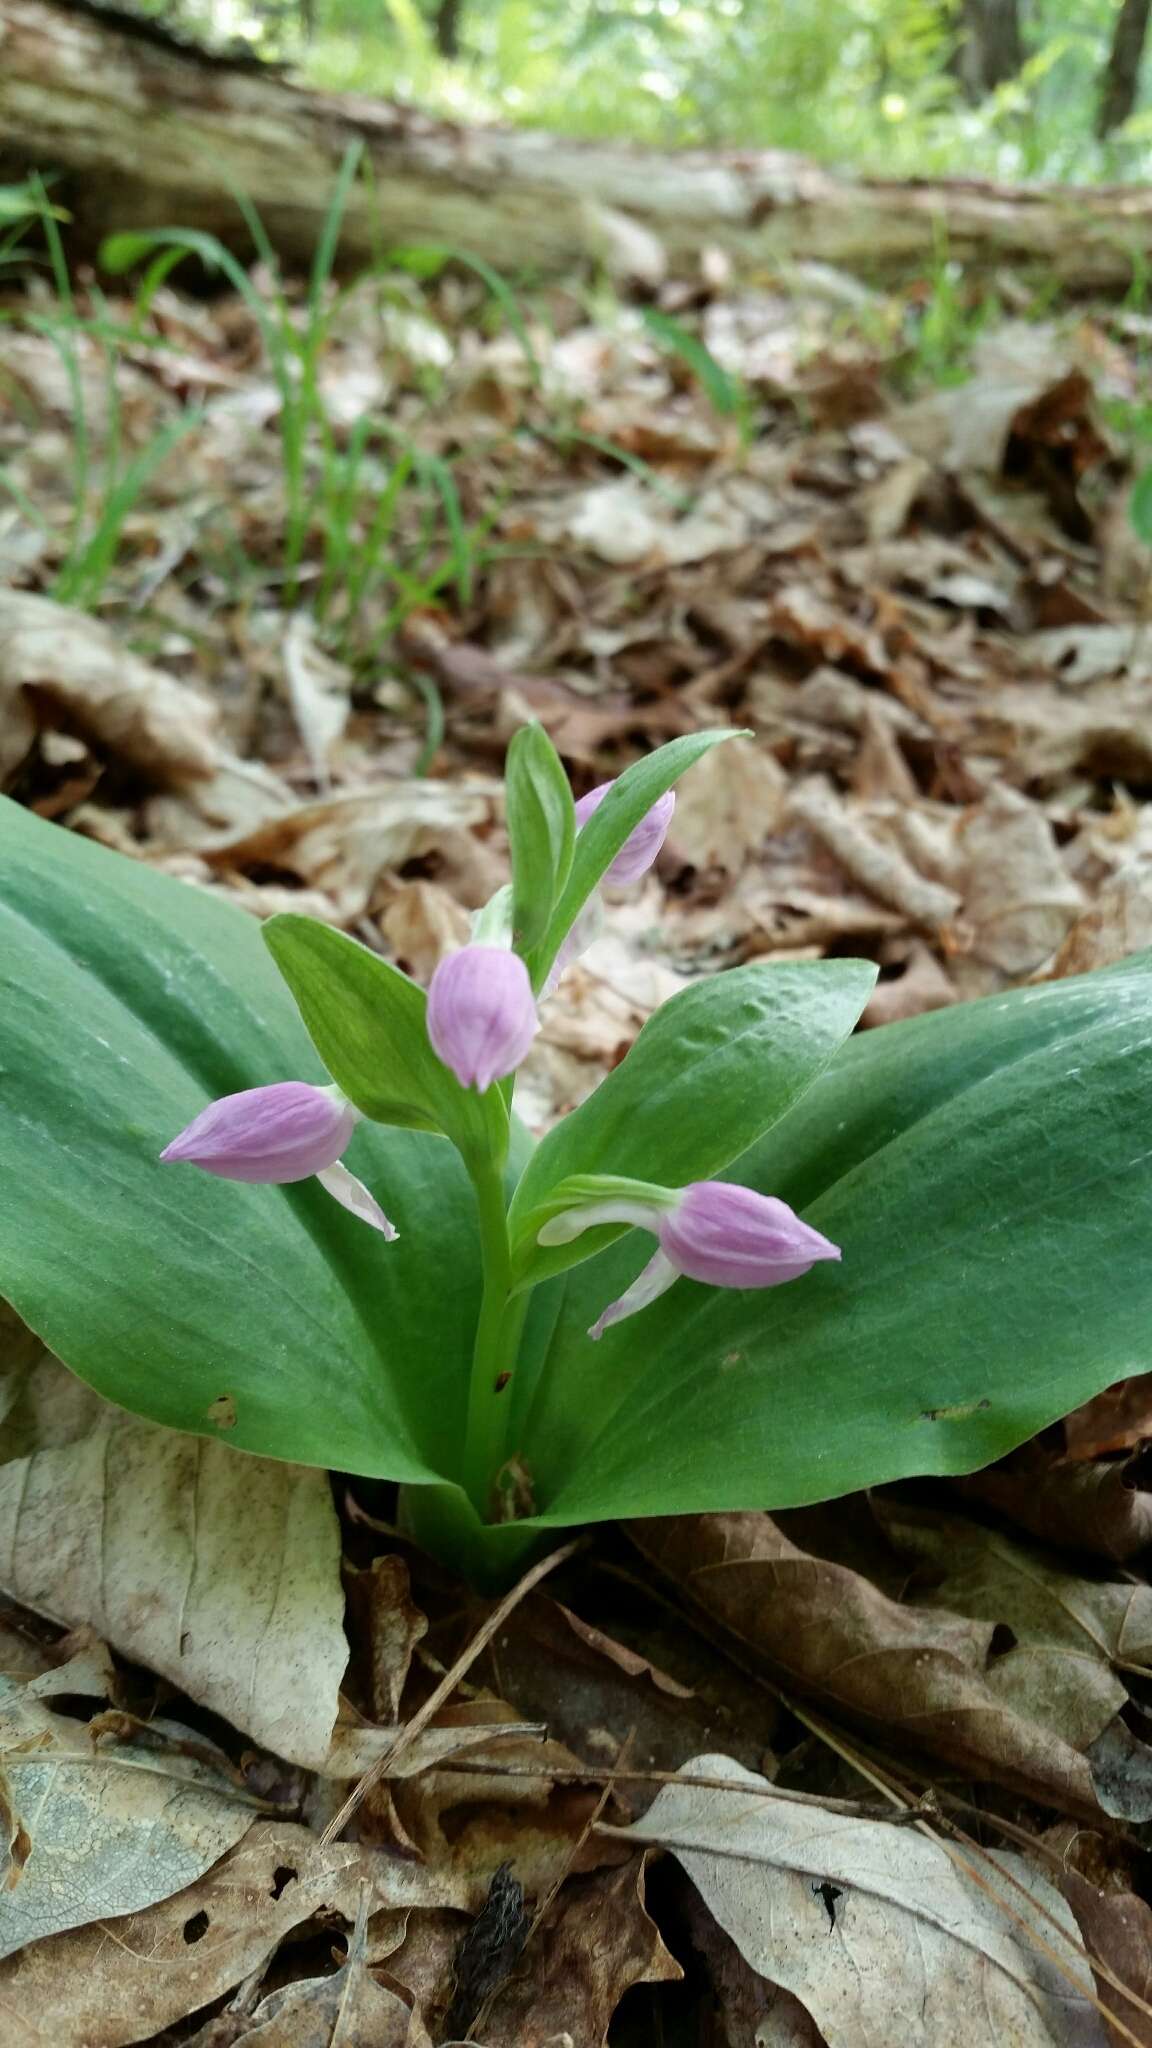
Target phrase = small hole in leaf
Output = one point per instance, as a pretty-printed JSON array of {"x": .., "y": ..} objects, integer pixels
[
  {"x": 195, "y": 1927},
  {"x": 1003, "y": 1639},
  {"x": 828, "y": 1893},
  {"x": 280, "y": 1879}
]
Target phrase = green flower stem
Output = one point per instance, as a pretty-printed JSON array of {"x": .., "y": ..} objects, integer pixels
[{"x": 497, "y": 1339}]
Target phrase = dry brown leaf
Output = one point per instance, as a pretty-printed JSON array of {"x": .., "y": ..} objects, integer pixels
[
  {"x": 389, "y": 1625},
  {"x": 122, "y": 1981},
  {"x": 1118, "y": 923},
  {"x": 220, "y": 1571},
  {"x": 596, "y": 1943},
  {"x": 922, "y": 985},
  {"x": 879, "y": 868},
  {"x": 347, "y": 2009},
  {"x": 1117, "y": 1930},
  {"x": 61, "y": 667},
  {"x": 1104, "y": 1509},
  {"x": 344, "y": 844},
  {"x": 101, "y": 1827},
  {"x": 728, "y": 805},
  {"x": 594, "y": 1693},
  {"x": 421, "y": 924},
  {"x": 905, "y": 1674},
  {"x": 1019, "y": 899},
  {"x": 1112, "y": 1421},
  {"x": 1061, "y": 1642},
  {"x": 318, "y": 691}
]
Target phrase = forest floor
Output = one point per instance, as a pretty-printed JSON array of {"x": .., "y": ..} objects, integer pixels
[{"x": 895, "y": 541}]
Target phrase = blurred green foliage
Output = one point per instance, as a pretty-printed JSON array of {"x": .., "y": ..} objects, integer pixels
[{"x": 873, "y": 83}]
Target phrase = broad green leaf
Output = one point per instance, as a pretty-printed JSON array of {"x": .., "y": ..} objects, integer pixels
[
  {"x": 612, "y": 822},
  {"x": 541, "y": 830},
  {"x": 128, "y": 1001},
  {"x": 987, "y": 1171},
  {"x": 717, "y": 1065},
  {"x": 367, "y": 1022},
  {"x": 239, "y": 1604}
]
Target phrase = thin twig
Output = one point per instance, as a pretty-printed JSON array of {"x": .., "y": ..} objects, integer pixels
[{"x": 446, "y": 1688}]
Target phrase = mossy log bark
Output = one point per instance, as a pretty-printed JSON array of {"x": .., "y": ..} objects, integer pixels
[{"x": 145, "y": 132}]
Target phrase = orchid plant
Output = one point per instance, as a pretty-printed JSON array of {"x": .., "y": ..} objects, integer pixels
[{"x": 765, "y": 1262}]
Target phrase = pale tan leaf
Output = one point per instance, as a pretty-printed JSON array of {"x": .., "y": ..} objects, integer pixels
[
  {"x": 116, "y": 1982},
  {"x": 218, "y": 1570},
  {"x": 107, "y": 1827},
  {"x": 873, "y": 1927},
  {"x": 57, "y": 664}
]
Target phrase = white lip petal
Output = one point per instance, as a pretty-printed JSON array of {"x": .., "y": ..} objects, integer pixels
[
  {"x": 572, "y": 1223},
  {"x": 354, "y": 1196},
  {"x": 655, "y": 1280}
]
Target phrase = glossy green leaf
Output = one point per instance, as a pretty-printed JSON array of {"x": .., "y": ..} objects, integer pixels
[
  {"x": 541, "y": 830},
  {"x": 717, "y": 1065},
  {"x": 367, "y": 1022},
  {"x": 128, "y": 1001},
  {"x": 612, "y": 822},
  {"x": 987, "y": 1171}
]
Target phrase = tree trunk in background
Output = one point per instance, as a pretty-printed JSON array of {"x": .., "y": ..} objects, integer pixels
[
  {"x": 446, "y": 27},
  {"x": 146, "y": 133},
  {"x": 991, "y": 47},
  {"x": 1120, "y": 85}
]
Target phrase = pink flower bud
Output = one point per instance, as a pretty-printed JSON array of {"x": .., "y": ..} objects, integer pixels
[
  {"x": 282, "y": 1133},
  {"x": 712, "y": 1230},
  {"x": 730, "y": 1236},
  {"x": 481, "y": 1014},
  {"x": 289, "y": 1131},
  {"x": 643, "y": 844}
]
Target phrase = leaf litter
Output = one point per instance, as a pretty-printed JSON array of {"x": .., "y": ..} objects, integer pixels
[{"x": 930, "y": 610}]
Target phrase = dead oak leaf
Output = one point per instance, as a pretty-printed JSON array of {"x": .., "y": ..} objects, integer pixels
[
  {"x": 905, "y": 1674},
  {"x": 596, "y": 1943}
]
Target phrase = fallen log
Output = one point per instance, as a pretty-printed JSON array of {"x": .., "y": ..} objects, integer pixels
[{"x": 144, "y": 131}]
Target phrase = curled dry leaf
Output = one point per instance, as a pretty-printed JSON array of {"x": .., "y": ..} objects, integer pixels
[
  {"x": 1117, "y": 1931},
  {"x": 1062, "y": 1642},
  {"x": 390, "y": 1625},
  {"x": 1119, "y": 922},
  {"x": 911, "y": 1675},
  {"x": 64, "y": 667},
  {"x": 106, "y": 1985},
  {"x": 318, "y": 690},
  {"x": 874, "y": 1927},
  {"x": 344, "y": 844},
  {"x": 1104, "y": 1509},
  {"x": 753, "y": 2013},
  {"x": 596, "y": 1943},
  {"x": 1019, "y": 899},
  {"x": 881, "y": 869},
  {"x": 102, "y": 1827},
  {"x": 347, "y": 2009},
  {"x": 218, "y": 1570},
  {"x": 733, "y": 798}
]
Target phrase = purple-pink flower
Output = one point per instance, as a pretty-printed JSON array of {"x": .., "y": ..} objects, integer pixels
[
  {"x": 643, "y": 843},
  {"x": 712, "y": 1230},
  {"x": 481, "y": 1014},
  {"x": 286, "y": 1132}
]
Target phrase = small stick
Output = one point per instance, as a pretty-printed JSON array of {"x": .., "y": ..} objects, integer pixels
[{"x": 445, "y": 1689}]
